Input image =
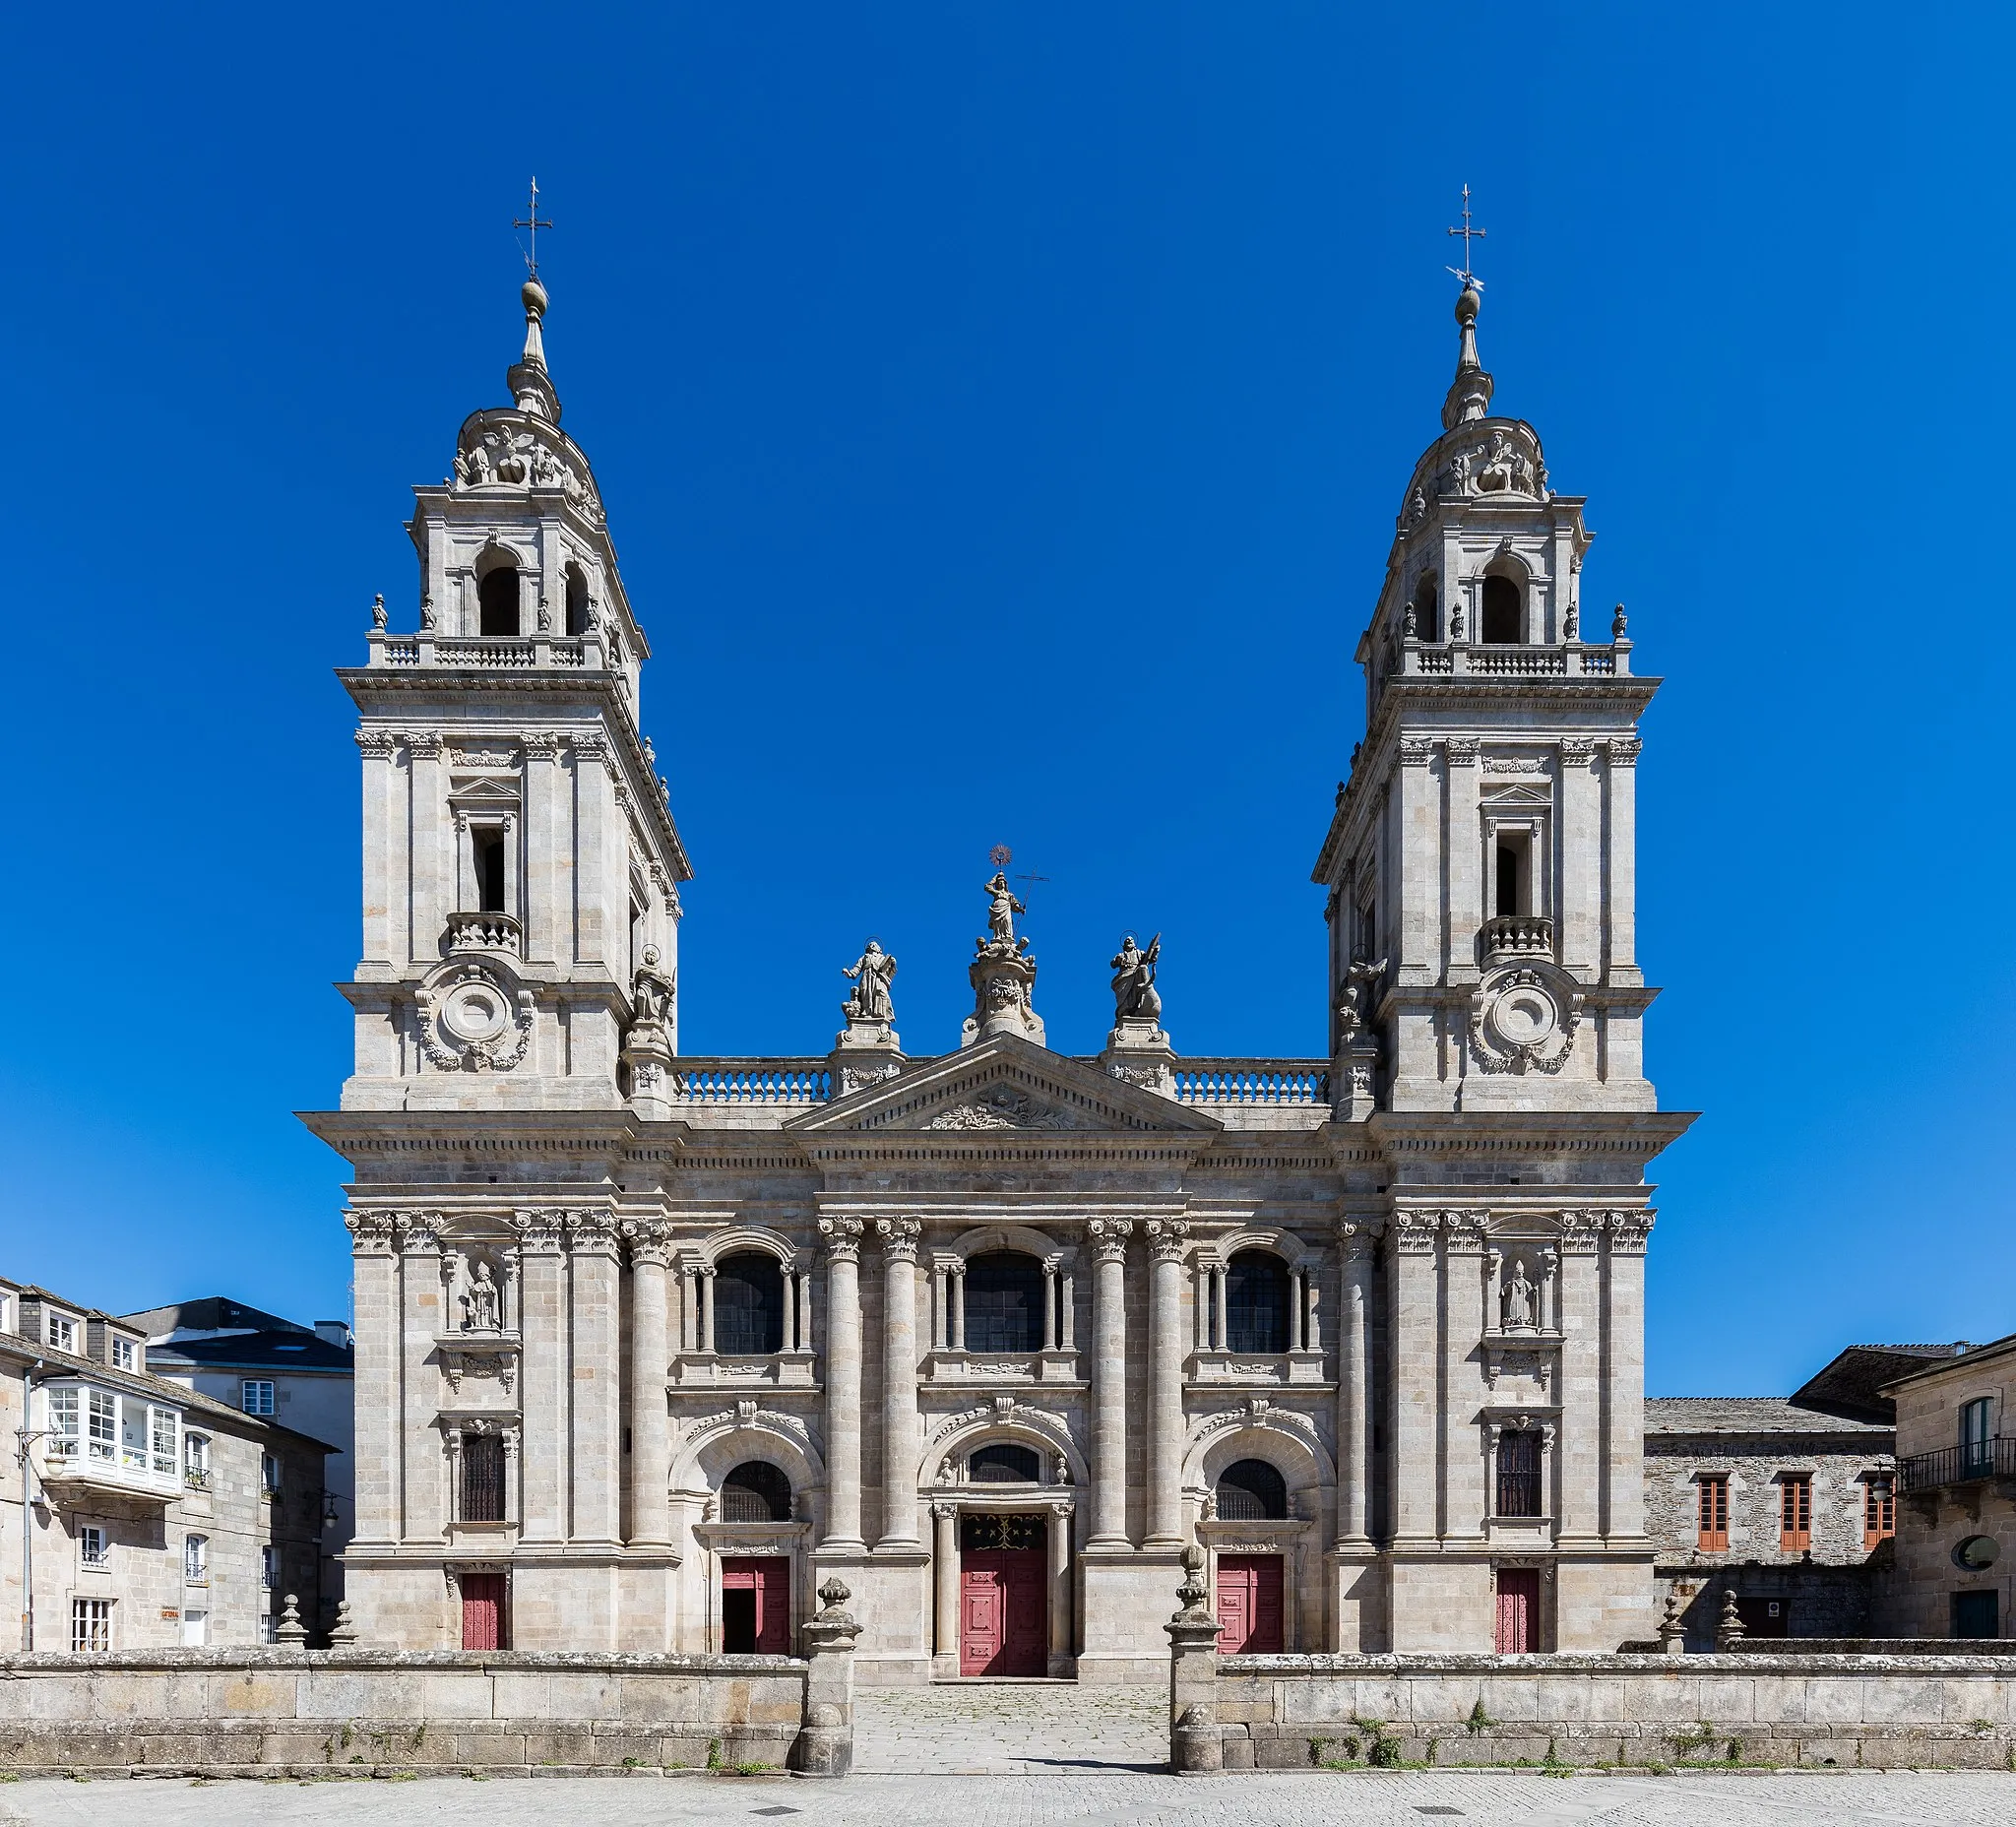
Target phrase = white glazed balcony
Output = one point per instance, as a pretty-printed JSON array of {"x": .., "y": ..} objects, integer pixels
[{"x": 125, "y": 1475}]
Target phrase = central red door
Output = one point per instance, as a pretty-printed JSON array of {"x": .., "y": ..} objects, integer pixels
[
  {"x": 1518, "y": 1611},
  {"x": 482, "y": 1610},
  {"x": 1249, "y": 1604},
  {"x": 756, "y": 1604},
  {"x": 1002, "y": 1613}
]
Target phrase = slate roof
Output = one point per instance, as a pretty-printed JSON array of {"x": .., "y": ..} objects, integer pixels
[
  {"x": 256, "y": 1351},
  {"x": 1755, "y": 1415},
  {"x": 1853, "y": 1382}
]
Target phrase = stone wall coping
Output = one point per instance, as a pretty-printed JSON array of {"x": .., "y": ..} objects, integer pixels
[
  {"x": 1590, "y": 1662},
  {"x": 294, "y": 1660}
]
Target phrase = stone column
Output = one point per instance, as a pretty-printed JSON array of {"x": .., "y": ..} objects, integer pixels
[
  {"x": 1580, "y": 1469},
  {"x": 1205, "y": 1271},
  {"x": 1416, "y": 1335},
  {"x": 431, "y": 835},
  {"x": 651, "y": 1433},
  {"x": 426, "y": 1505},
  {"x": 804, "y": 1275},
  {"x": 1067, "y": 1314},
  {"x": 383, "y": 867},
  {"x": 703, "y": 1287},
  {"x": 1354, "y": 1386},
  {"x": 1466, "y": 858},
  {"x": 941, "y": 1325},
  {"x": 945, "y": 1585},
  {"x": 843, "y": 1380},
  {"x": 544, "y": 1383},
  {"x": 1622, "y": 776},
  {"x": 955, "y": 1306},
  {"x": 899, "y": 1379},
  {"x": 1060, "y": 1587},
  {"x": 1222, "y": 1305},
  {"x": 1109, "y": 1381},
  {"x": 596, "y": 1487},
  {"x": 1464, "y": 1498},
  {"x": 1166, "y": 1240},
  {"x": 1624, "y": 1342},
  {"x": 380, "y": 1377},
  {"x": 1049, "y": 1343},
  {"x": 1578, "y": 894},
  {"x": 788, "y": 1336}
]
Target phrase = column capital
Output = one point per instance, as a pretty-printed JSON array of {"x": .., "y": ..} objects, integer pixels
[
  {"x": 379, "y": 742},
  {"x": 423, "y": 744},
  {"x": 1415, "y": 751},
  {"x": 420, "y": 1233},
  {"x": 1581, "y": 1231},
  {"x": 899, "y": 1237},
  {"x": 1414, "y": 1232},
  {"x": 591, "y": 1233},
  {"x": 1109, "y": 1238},
  {"x": 944, "y": 1512},
  {"x": 1577, "y": 751},
  {"x": 650, "y": 1241},
  {"x": 1461, "y": 751},
  {"x": 543, "y": 743},
  {"x": 842, "y": 1238},
  {"x": 1168, "y": 1238},
  {"x": 1630, "y": 1231},
  {"x": 538, "y": 1229},
  {"x": 1623, "y": 751},
  {"x": 1359, "y": 1238},
  {"x": 370, "y": 1233},
  {"x": 1462, "y": 1232}
]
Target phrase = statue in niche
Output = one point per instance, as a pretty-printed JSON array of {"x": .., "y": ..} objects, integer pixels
[
  {"x": 652, "y": 995},
  {"x": 1352, "y": 1012},
  {"x": 1002, "y": 908},
  {"x": 480, "y": 1304},
  {"x": 1135, "y": 998},
  {"x": 1520, "y": 1298},
  {"x": 872, "y": 974}
]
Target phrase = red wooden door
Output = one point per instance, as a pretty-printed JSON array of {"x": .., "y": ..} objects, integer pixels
[
  {"x": 1518, "y": 1611},
  {"x": 1003, "y": 1617},
  {"x": 1249, "y": 1604},
  {"x": 482, "y": 1611},
  {"x": 756, "y": 1604}
]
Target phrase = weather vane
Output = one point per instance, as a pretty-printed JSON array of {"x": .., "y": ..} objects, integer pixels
[
  {"x": 1001, "y": 856},
  {"x": 533, "y": 222},
  {"x": 1466, "y": 231}
]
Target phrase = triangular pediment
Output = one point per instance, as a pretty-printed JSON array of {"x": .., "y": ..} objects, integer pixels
[
  {"x": 481, "y": 792},
  {"x": 1519, "y": 795},
  {"x": 1004, "y": 1087}
]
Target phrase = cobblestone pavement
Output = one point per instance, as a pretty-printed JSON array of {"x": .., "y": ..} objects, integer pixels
[
  {"x": 1846, "y": 1799},
  {"x": 1010, "y": 1729}
]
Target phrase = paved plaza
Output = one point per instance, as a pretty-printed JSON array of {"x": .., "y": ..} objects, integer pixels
[{"x": 1387, "y": 1800}]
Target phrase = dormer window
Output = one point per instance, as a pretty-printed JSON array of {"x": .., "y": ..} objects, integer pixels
[
  {"x": 125, "y": 1354},
  {"x": 497, "y": 596},
  {"x": 1504, "y": 612}
]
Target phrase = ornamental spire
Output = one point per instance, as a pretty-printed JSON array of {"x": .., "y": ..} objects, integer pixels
[
  {"x": 532, "y": 386},
  {"x": 1470, "y": 393}
]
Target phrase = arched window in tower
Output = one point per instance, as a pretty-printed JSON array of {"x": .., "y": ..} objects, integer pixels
[
  {"x": 577, "y": 601},
  {"x": 1427, "y": 623},
  {"x": 1003, "y": 1463},
  {"x": 497, "y": 597},
  {"x": 755, "y": 1492},
  {"x": 1004, "y": 1302},
  {"x": 1504, "y": 612},
  {"x": 1250, "y": 1491},
  {"x": 1256, "y": 1302},
  {"x": 748, "y": 1306}
]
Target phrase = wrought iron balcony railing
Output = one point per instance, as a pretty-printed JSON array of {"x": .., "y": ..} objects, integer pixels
[{"x": 1957, "y": 1465}]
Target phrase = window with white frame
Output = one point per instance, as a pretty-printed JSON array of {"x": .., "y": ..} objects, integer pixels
[
  {"x": 195, "y": 1461},
  {"x": 125, "y": 1354},
  {"x": 195, "y": 1559},
  {"x": 101, "y": 1424},
  {"x": 62, "y": 1332},
  {"x": 94, "y": 1547},
  {"x": 64, "y": 1430},
  {"x": 108, "y": 1428},
  {"x": 269, "y": 1567},
  {"x": 90, "y": 1626},
  {"x": 164, "y": 1427},
  {"x": 255, "y": 1394},
  {"x": 268, "y": 1628},
  {"x": 269, "y": 1474}
]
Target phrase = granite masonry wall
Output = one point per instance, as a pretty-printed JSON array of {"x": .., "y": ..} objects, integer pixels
[
  {"x": 1291, "y": 1712},
  {"x": 371, "y": 1712}
]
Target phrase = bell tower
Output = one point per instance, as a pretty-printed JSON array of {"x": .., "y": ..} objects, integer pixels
[
  {"x": 521, "y": 867},
  {"x": 1482, "y": 941}
]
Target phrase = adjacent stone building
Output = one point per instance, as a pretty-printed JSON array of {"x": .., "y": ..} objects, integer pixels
[
  {"x": 649, "y": 1343},
  {"x": 263, "y": 1365},
  {"x": 154, "y": 1516},
  {"x": 1956, "y": 1485}
]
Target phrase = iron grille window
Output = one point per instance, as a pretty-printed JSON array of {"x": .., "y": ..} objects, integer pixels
[
  {"x": 1250, "y": 1491},
  {"x": 1256, "y": 1302},
  {"x": 756, "y": 1492},
  {"x": 90, "y": 1626},
  {"x": 1714, "y": 1519},
  {"x": 748, "y": 1306},
  {"x": 1519, "y": 1473},
  {"x": 482, "y": 1477},
  {"x": 1004, "y": 1464},
  {"x": 982, "y": 1534},
  {"x": 1004, "y": 1302}
]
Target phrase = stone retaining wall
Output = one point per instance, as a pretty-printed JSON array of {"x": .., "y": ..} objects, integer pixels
[
  {"x": 1291, "y": 1712},
  {"x": 375, "y": 1712}
]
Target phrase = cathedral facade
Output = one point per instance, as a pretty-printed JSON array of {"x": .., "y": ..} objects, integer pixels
[{"x": 650, "y": 1344}]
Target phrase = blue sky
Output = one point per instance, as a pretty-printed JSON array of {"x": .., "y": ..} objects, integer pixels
[{"x": 1002, "y": 413}]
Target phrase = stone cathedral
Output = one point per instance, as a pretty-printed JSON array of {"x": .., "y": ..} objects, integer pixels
[{"x": 648, "y": 1344}]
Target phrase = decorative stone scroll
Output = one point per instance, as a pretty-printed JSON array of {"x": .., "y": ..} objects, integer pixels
[
  {"x": 473, "y": 1017},
  {"x": 1525, "y": 1017}
]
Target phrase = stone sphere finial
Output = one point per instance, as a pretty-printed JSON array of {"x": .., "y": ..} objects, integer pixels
[
  {"x": 1468, "y": 301},
  {"x": 535, "y": 297}
]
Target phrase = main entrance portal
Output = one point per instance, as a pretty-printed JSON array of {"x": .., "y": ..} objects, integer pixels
[{"x": 1003, "y": 1600}]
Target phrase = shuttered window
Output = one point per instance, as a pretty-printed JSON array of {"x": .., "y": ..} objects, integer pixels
[
  {"x": 1796, "y": 1511},
  {"x": 1714, "y": 1513}
]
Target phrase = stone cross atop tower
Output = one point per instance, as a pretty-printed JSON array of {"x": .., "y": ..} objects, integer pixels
[
  {"x": 521, "y": 863},
  {"x": 1480, "y": 859}
]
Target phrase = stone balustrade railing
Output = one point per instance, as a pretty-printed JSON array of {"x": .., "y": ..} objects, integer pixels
[
  {"x": 1518, "y": 936},
  {"x": 1571, "y": 660},
  {"x": 794, "y": 1084},
  {"x": 464, "y": 653},
  {"x": 484, "y": 932},
  {"x": 1291, "y": 1083}
]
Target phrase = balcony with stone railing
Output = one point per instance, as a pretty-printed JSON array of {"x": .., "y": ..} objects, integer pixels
[
  {"x": 491, "y": 932},
  {"x": 1515, "y": 935},
  {"x": 1461, "y": 660},
  {"x": 485, "y": 653}
]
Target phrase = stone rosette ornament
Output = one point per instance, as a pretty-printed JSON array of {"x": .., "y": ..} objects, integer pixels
[
  {"x": 1525, "y": 1018},
  {"x": 474, "y": 1018}
]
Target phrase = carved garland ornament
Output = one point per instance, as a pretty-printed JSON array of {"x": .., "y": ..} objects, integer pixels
[
  {"x": 1002, "y": 1106},
  {"x": 1524, "y": 1019},
  {"x": 471, "y": 1021}
]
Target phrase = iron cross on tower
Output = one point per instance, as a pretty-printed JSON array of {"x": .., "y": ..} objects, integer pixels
[
  {"x": 533, "y": 222},
  {"x": 1467, "y": 232}
]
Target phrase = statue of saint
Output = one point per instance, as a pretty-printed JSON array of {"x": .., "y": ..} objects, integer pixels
[
  {"x": 1357, "y": 982},
  {"x": 1519, "y": 1297},
  {"x": 1002, "y": 908},
  {"x": 652, "y": 995},
  {"x": 1134, "y": 992},
  {"x": 480, "y": 1308},
  {"x": 872, "y": 974}
]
